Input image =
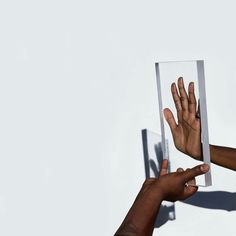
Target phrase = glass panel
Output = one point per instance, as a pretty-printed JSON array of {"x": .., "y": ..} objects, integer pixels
[
  {"x": 153, "y": 157},
  {"x": 190, "y": 71}
]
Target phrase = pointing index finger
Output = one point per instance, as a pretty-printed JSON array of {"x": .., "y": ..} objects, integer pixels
[{"x": 195, "y": 171}]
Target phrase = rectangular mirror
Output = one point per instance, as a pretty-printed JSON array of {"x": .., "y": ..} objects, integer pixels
[{"x": 190, "y": 71}]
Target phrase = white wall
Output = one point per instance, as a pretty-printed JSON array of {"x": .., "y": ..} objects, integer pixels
[{"x": 77, "y": 84}]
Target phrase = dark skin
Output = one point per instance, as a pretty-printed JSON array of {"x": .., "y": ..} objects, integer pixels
[
  {"x": 171, "y": 187},
  {"x": 186, "y": 131}
]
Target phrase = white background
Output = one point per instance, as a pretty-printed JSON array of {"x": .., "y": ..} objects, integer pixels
[{"x": 77, "y": 85}]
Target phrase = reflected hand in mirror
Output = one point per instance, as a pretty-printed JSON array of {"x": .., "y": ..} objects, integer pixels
[{"x": 186, "y": 131}]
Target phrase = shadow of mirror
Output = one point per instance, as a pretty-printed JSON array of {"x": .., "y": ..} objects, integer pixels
[
  {"x": 153, "y": 157},
  {"x": 217, "y": 200}
]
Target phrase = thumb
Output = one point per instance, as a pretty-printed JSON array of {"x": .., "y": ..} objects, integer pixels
[
  {"x": 170, "y": 118},
  {"x": 195, "y": 171}
]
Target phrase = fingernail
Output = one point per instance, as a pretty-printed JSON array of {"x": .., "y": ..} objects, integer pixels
[{"x": 204, "y": 168}]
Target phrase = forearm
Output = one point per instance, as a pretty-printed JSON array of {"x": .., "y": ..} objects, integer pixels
[
  {"x": 223, "y": 156},
  {"x": 141, "y": 217}
]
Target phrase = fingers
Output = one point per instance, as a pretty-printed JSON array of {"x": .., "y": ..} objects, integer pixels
[
  {"x": 190, "y": 186},
  {"x": 183, "y": 94},
  {"x": 189, "y": 191},
  {"x": 170, "y": 119},
  {"x": 177, "y": 101},
  {"x": 191, "y": 182},
  {"x": 184, "y": 102},
  {"x": 195, "y": 171},
  {"x": 192, "y": 99},
  {"x": 179, "y": 170},
  {"x": 164, "y": 167}
]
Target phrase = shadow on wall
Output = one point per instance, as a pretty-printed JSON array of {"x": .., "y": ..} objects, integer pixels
[
  {"x": 164, "y": 215},
  {"x": 153, "y": 157},
  {"x": 218, "y": 200},
  {"x": 215, "y": 200}
]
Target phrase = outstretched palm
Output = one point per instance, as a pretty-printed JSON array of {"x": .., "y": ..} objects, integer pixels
[{"x": 186, "y": 133}]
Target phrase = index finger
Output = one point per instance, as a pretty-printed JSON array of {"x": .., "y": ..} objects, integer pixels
[{"x": 195, "y": 171}]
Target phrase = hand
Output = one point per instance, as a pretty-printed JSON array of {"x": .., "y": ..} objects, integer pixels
[
  {"x": 186, "y": 133},
  {"x": 141, "y": 217},
  {"x": 179, "y": 185}
]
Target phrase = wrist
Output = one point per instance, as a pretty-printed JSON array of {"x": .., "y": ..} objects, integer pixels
[
  {"x": 141, "y": 217},
  {"x": 160, "y": 192}
]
